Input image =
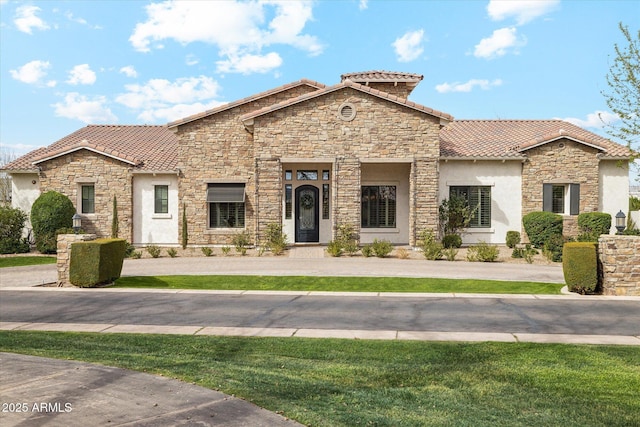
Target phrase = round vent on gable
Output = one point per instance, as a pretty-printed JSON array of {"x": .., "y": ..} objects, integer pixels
[{"x": 347, "y": 112}]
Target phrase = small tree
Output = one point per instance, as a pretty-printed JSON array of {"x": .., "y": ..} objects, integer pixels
[
  {"x": 50, "y": 212},
  {"x": 185, "y": 235},
  {"x": 11, "y": 224},
  {"x": 455, "y": 215},
  {"x": 115, "y": 226}
]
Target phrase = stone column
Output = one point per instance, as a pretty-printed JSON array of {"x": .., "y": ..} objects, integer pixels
[
  {"x": 64, "y": 254},
  {"x": 619, "y": 259}
]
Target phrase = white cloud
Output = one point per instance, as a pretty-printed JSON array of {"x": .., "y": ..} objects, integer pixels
[
  {"x": 26, "y": 19},
  {"x": 364, "y": 4},
  {"x": 129, "y": 71},
  {"x": 81, "y": 75},
  {"x": 80, "y": 107},
  {"x": 238, "y": 29},
  {"x": 34, "y": 73},
  {"x": 597, "y": 120},
  {"x": 176, "y": 112},
  {"x": 522, "y": 10},
  {"x": 248, "y": 64},
  {"x": 409, "y": 46},
  {"x": 191, "y": 60},
  {"x": 468, "y": 86},
  {"x": 500, "y": 42},
  {"x": 160, "y": 98}
]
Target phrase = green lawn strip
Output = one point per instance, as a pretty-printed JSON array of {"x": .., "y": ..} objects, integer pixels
[
  {"x": 385, "y": 383},
  {"x": 337, "y": 284},
  {"x": 21, "y": 261}
]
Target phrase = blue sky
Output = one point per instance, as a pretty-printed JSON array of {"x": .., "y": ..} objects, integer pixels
[{"x": 65, "y": 64}]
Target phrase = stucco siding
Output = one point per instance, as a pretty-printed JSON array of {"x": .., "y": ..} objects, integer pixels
[
  {"x": 505, "y": 181},
  {"x": 151, "y": 227},
  {"x": 25, "y": 189},
  {"x": 613, "y": 189}
]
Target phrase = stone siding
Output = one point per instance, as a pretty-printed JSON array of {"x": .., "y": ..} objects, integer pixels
[
  {"x": 110, "y": 177},
  {"x": 619, "y": 258},
  {"x": 380, "y": 130},
  {"x": 218, "y": 148},
  {"x": 561, "y": 162},
  {"x": 63, "y": 256}
]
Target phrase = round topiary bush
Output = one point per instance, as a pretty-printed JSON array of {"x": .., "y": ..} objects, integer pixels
[
  {"x": 541, "y": 226},
  {"x": 513, "y": 238},
  {"x": 49, "y": 213}
]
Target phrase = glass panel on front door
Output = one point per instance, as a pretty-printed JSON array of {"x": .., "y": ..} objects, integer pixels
[
  {"x": 307, "y": 214},
  {"x": 306, "y": 210}
]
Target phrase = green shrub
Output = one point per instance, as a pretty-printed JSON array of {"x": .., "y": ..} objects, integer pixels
[
  {"x": 634, "y": 203},
  {"x": 594, "y": 223},
  {"x": 172, "y": 252},
  {"x": 334, "y": 248},
  {"x": 451, "y": 241},
  {"x": 431, "y": 249},
  {"x": 454, "y": 214},
  {"x": 450, "y": 253},
  {"x": 553, "y": 248},
  {"x": 241, "y": 241},
  {"x": 276, "y": 238},
  {"x": 631, "y": 232},
  {"x": 96, "y": 262},
  {"x": 136, "y": 255},
  {"x": 11, "y": 225},
  {"x": 226, "y": 250},
  {"x": 154, "y": 251},
  {"x": 347, "y": 239},
  {"x": 527, "y": 253},
  {"x": 483, "y": 252},
  {"x": 367, "y": 251},
  {"x": 513, "y": 238},
  {"x": 580, "y": 267},
  {"x": 206, "y": 251},
  {"x": 50, "y": 212},
  {"x": 129, "y": 250},
  {"x": 540, "y": 226},
  {"x": 381, "y": 248}
]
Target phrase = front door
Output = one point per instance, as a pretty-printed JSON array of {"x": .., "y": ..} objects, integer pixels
[{"x": 307, "y": 221}]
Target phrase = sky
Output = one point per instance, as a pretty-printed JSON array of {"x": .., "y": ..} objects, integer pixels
[{"x": 66, "y": 64}]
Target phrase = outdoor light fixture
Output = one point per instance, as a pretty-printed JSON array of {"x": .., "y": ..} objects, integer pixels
[
  {"x": 621, "y": 222},
  {"x": 77, "y": 223}
]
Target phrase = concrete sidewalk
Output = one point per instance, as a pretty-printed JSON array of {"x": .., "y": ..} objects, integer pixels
[{"x": 290, "y": 266}]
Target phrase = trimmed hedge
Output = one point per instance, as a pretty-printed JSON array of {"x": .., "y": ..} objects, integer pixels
[
  {"x": 540, "y": 226},
  {"x": 580, "y": 266},
  {"x": 513, "y": 238},
  {"x": 96, "y": 262},
  {"x": 594, "y": 222}
]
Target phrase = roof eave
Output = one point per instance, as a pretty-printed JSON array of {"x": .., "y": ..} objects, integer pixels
[{"x": 483, "y": 158}]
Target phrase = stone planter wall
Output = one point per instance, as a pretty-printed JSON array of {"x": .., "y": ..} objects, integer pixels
[
  {"x": 64, "y": 254},
  {"x": 619, "y": 259}
]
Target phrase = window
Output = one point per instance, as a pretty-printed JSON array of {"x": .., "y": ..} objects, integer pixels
[
  {"x": 288, "y": 201},
  {"x": 226, "y": 205},
  {"x": 88, "y": 199},
  {"x": 479, "y": 200},
  {"x": 325, "y": 175},
  {"x": 287, "y": 175},
  {"x": 325, "y": 201},
  {"x": 378, "y": 206},
  {"x": 307, "y": 175},
  {"x": 561, "y": 198},
  {"x": 161, "y": 199},
  {"x": 557, "y": 203}
]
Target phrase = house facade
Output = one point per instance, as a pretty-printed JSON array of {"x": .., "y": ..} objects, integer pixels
[{"x": 313, "y": 157}]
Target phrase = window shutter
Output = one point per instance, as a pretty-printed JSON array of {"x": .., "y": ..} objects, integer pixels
[
  {"x": 547, "y": 197},
  {"x": 574, "y": 194}
]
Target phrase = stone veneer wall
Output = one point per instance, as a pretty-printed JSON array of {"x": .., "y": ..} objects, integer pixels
[
  {"x": 619, "y": 258},
  {"x": 110, "y": 177},
  {"x": 64, "y": 254},
  {"x": 380, "y": 130},
  {"x": 218, "y": 148},
  {"x": 574, "y": 163}
]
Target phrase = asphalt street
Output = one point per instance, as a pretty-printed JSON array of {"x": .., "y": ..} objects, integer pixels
[{"x": 411, "y": 312}]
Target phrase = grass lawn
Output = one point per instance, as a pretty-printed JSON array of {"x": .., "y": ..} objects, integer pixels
[
  {"x": 383, "y": 383},
  {"x": 338, "y": 284},
  {"x": 21, "y": 261}
]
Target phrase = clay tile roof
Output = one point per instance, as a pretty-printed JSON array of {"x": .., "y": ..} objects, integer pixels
[
  {"x": 339, "y": 86},
  {"x": 511, "y": 138},
  {"x": 380, "y": 76},
  {"x": 251, "y": 98},
  {"x": 149, "y": 148}
]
